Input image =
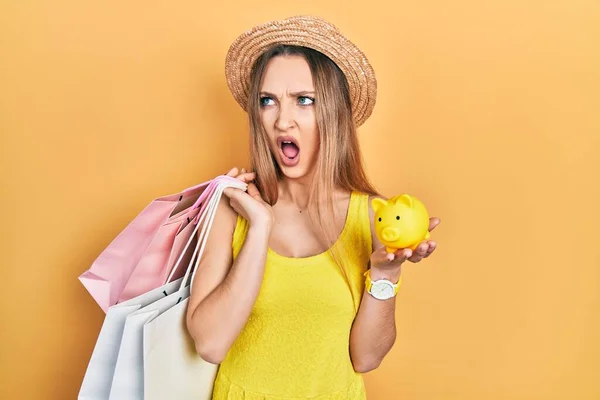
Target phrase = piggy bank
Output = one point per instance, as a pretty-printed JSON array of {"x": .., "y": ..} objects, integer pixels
[{"x": 400, "y": 222}]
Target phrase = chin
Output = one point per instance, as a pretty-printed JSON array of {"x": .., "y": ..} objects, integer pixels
[{"x": 295, "y": 172}]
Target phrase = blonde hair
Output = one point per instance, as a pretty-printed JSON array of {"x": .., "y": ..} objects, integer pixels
[{"x": 339, "y": 162}]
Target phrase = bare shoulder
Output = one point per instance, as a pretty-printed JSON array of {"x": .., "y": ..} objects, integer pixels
[{"x": 376, "y": 243}]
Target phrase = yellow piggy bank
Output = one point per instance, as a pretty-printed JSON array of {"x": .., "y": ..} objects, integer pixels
[{"x": 400, "y": 222}]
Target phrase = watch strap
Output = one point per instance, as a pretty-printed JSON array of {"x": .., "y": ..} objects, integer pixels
[{"x": 369, "y": 283}]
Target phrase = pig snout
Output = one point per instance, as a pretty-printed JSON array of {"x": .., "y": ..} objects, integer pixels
[{"x": 390, "y": 234}]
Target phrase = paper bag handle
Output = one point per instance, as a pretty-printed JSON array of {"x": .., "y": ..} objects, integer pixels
[{"x": 208, "y": 211}]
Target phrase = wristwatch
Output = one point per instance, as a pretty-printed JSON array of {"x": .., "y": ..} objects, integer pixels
[{"x": 381, "y": 289}]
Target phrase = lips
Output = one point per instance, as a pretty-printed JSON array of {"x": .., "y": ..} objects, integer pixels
[{"x": 289, "y": 150}]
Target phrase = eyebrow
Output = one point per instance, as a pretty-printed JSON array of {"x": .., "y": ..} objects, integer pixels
[{"x": 295, "y": 94}]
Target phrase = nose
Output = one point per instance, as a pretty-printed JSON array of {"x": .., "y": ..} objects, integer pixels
[
  {"x": 285, "y": 118},
  {"x": 390, "y": 234}
]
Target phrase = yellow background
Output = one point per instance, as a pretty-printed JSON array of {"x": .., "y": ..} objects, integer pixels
[{"x": 487, "y": 110}]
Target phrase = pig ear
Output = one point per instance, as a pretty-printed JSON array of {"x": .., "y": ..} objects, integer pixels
[
  {"x": 404, "y": 199},
  {"x": 378, "y": 204}
]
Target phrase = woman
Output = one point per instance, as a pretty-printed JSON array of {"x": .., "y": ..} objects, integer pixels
[{"x": 280, "y": 298}]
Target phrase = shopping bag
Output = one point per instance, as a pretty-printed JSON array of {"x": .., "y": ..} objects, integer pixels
[
  {"x": 156, "y": 264},
  {"x": 129, "y": 378},
  {"x": 99, "y": 374},
  {"x": 154, "y": 267},
  {"x": 172, "y": 367},
  {"x": 110, "y": 273},
  {"x": 113, "y": 336},
  {"x": 98, "y": 379},
  {"x": 128, "y": 381}
]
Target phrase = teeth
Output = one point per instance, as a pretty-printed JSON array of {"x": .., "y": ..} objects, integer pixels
[{"x": 287, "y": 142}]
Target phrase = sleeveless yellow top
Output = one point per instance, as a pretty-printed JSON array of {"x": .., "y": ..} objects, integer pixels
[{"x": 295, "y": 344}]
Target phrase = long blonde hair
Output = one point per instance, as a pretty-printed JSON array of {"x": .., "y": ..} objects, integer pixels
[{"x": 339, "y": 162}]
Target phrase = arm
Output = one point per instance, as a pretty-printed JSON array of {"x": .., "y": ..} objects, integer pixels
[
  {"x": 223, "y": 291},
  {"x": 374, "y": 330}
]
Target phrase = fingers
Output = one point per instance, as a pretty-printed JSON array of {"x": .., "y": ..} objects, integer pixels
[
  {"x": 432, "y": 247},
  {"x": 253, "y": 191},
  {"x": 236, "y": 172},
  {"x": 419, "y": 252},
  {"x": 398, "y": 257},
  {"x": 232, "y": 172},
  {"x": 242, "y": 175},
  {"x": 403, "y": 254},
  {"x": 246, "y": 177},
  {"x": 231, "y": 192},
  {"x": 433, "y": 222},
  {"x": 424, "y": 250}
]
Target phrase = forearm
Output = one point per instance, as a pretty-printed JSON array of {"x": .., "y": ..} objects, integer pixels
[
  {"x": 220, "y": 317},
  {"x": 374, "y": 330}
]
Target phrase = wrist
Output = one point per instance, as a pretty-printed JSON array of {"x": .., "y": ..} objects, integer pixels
[
  {"x": 382, "y": 286},
  {"x": 262, "y": 221},
  {"x": 390, "y": 274},
  {"x": 260, "y": 228}
]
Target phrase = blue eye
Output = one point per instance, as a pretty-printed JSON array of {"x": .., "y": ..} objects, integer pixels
[
  {"x": 305, "y": 101},
  {"x": 264, "y": 101}
]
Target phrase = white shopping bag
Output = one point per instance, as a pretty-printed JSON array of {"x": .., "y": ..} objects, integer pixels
[
  {"x": 128, "y": 381},
  {"x": 172, "y": 367},
  {"x": 99, "y": 374}
]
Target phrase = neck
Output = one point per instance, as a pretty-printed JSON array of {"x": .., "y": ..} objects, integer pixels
[{"x": 295, "y": 191}]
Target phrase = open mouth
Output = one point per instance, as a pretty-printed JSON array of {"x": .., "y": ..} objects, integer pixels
[{"x": 290, "y": 151}]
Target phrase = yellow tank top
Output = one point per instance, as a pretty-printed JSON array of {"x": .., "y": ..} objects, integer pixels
[{"x": 295, "y": 344}]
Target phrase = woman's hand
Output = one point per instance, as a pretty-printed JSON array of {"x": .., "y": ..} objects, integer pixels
[
  {"x": 249, "y": 204},
  {"x": 388, "y": 265}
]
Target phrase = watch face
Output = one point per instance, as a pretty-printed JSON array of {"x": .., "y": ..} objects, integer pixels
[{"x": 382, "y": 290}]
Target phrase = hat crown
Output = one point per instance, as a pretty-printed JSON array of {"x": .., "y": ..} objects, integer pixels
[{"x": 308, "y": 31}]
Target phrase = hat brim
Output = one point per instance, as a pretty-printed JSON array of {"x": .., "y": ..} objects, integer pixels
[{"x": 307, "y": 31}]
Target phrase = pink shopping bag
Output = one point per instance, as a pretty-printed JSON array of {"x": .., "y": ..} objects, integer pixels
[
  {"x": 141, "y": 257},
  {"x": 154, "y": 267}
]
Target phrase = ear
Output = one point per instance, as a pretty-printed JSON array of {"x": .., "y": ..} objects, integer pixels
[
  {"x": 404, "y": 199},
  {"x": 378, "y": 204}
]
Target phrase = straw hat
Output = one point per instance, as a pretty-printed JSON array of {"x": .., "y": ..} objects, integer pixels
[{"x": 308, "y": 31}]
